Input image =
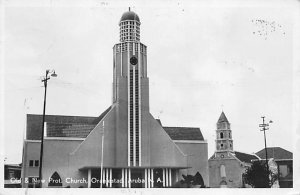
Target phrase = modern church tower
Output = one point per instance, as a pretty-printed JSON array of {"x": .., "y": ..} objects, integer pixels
[
  {"x": 130, "y": 82},
  {"x": 135, "y": 144}
]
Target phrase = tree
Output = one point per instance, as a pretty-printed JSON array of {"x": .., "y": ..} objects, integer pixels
[
  {"x": 189, "y": 181},
  {"x": 258, "y": 175}
]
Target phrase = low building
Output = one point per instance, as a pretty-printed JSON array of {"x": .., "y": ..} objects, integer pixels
[
  {"x": 12, "y": 175},
  {"x": 284, "y": 160}
]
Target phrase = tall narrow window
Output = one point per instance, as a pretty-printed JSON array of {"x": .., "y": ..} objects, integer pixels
[
  {"x": 131, "y": 117},
  {"x": 221, "y": 135},
  {"x": 137, "y": 147},
  {"x": 222, "y": 171}
]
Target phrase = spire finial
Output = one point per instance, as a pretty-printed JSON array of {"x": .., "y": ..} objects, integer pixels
[{"x": 129, "y": 8}]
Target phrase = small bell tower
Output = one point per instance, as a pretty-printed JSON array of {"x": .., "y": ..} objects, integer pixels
[{"x": 224, "y": 142}]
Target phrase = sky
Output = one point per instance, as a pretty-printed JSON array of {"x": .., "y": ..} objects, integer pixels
[{"x": 203, "y": 58}]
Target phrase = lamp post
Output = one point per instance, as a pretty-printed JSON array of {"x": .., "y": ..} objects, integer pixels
[
  {"x": 265, "y": 126},
  {"x": 45, "y": 80}
]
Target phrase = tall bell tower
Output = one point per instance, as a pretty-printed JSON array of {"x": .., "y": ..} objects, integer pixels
[
  {"x": 224, "y": 142},
  {"x": 130, "y": 82}
]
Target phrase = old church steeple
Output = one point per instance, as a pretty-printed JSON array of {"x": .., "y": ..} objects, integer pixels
[{"x": 224, "y": 142}]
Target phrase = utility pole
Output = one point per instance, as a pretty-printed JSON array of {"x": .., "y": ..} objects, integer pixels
[
  {"x": 265, "y": 126},
  {"x": 44, "y": 80}
]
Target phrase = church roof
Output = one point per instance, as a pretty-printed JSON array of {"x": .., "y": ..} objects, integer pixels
[
  {"x": 244, "y": 157},
  {"x": 222, "y": 118},
  {"x": 277, "y": 153},
  {"x": 130, "y": 15},
  {"x": 69, "y": 130},
  {"x": 34, "y": 123},
  {"x": 81, "y": 126},
  {"x": 184, "y": 133}
]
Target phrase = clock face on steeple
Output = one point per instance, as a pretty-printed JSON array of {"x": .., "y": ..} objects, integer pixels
[{"x": 133, "y": 60}]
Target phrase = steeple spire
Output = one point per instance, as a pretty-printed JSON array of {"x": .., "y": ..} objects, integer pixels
[{"x": 223, "y": 118}]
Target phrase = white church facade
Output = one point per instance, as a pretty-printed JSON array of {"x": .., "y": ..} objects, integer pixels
[{"x": 125, "y": 147}]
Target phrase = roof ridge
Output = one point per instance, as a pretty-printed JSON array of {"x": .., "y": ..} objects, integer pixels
[
  {"x": 182, "y": 127},
  {"x": 245, "y": 153},
  {"x": 62, "y": 115}
]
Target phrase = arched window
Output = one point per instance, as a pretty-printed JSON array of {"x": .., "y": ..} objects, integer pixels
[
  {"x": 221, "y": 135},
  {"x": 55, "y": 180},
  {"x": 222, "y": 171}
]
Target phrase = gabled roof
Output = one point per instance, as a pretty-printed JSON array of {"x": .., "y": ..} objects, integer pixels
[
  {"x": 61, "y": 125},
  {"x": 184, "y": 133},
  {"x": 277, "y": 153},
  {"x": 69, "y": 130},
  {"x": 244, "y": 157},
  {"x": 81, "y": 126},
  {"x": 222, "y": 118},
  {"x": 34, "y": 123}
]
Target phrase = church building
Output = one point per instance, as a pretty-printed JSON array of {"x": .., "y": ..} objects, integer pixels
[
  {"x": 227, "y": 166},
  {"x": 125, "y": 147}
]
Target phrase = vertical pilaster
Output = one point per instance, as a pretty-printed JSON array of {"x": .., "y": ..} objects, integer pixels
[
  {"x": 170, "y": 177},
  {"x": 164, "y": 178},
  {"x": 110, "y": 178},
  {"x": 146, "y": 178},
  {"x": 121, "y": 60},
  {"x": 89, "y": 177},
  {"x": 126, "y": 180},
  {"x": 149, "y": 178},
  {"x": 123, "y": 178},
  {"x": 106, "y": 180},
  {"x": 167, "y": 177},
  {"x": 152, "y": 179},
  {"x": 129, "y": 178},
  {"x": 140, "y": 105},
  {"x": 128, "y": 103}
]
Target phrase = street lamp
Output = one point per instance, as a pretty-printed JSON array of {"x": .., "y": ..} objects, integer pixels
[
  {"x": 45, "y": 80},
  {"x": 265, "y": 126}
]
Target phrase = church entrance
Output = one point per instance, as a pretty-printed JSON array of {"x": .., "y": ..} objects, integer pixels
[{"x": 137, "y": 178}]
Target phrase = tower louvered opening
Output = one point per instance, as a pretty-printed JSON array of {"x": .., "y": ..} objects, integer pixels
[
  {"x": 137, "y": 148},
  {"x": 131, "y": 117},
  {"x": 134, "y": 121}
]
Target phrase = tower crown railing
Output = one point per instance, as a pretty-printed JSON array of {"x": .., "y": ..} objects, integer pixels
[{"x": 129, "y": 31}]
